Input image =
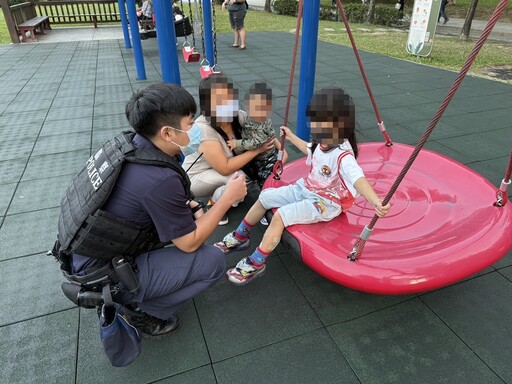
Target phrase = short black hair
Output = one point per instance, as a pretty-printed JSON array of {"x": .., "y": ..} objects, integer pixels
[
  {"x": 259, "y": 89},
  {"x": 157, "y": 105}
]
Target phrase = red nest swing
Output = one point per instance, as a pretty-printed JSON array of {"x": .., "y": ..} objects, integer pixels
[{"x": 446, "y": 223}]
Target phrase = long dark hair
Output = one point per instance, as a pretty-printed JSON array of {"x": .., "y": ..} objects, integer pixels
[
  {"x": 334, "y": 105},
  {"x": 205, "y": 94}
]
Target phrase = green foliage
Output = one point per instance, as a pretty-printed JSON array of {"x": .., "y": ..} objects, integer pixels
[
  {"x": 14, "y": 2},
  {"x": 286, "y": 7},
  {"x": 328, "y": 12},
  {"x": 357, "y": 13}
]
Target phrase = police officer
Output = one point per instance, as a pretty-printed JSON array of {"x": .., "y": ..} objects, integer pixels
[{"x": 155, "y": 196}]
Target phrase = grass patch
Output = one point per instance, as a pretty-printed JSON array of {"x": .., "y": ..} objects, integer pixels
[{"x": 4, "y": 33}]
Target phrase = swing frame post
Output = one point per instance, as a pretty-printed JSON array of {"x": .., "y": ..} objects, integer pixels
[
  {"x": 310, "y": 20},
  {"x": 208, "y": 31},
  {"x": 137, "y": 46},
  {"x": 124, "y": 23},
  {"x": 166, "y": 36}
]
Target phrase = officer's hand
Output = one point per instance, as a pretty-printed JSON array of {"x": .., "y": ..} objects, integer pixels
[{"x": 236, "y": 188}]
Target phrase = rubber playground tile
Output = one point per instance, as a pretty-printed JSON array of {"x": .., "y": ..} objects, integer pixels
[
  {"x": 6, "y": 194},
  {"x": 65, "y": 113},
  {"x": 57, "y": 164},
  {"x": 507, "y": 272},
  {"x": 77, "y": 84},
  {"x": 18, "y": 118},
  {"x": 39, "y": 194},
  {"x": 181, "y": 352},
  {"x": 40, "y": 350},
  {"x": 73, "y": 101},
  {"x": 334, "y": 303},
  {"x": 484, "y": 104},
  {"x": 21, "y": 105},
  {"x": 109, "y": 122},
  {"x": 38, "y": 226},
  {"x": 31, "y": 292},
  {"x": 407, "y": 343},
  {"x": 63, "y": 127},
  {"x": 308, "y": 358},
  {"x": 118, "y": 88},
  {"x": 272, "y": 303},
  {"x": 16, "y": 148},
  {"x": 101, "y": 136},
  {"x": 11, "y": 170},
  {"x": 203, "y": 375},
  {"x": 506, "y": 261},
  {"x": 112, "y": 97},
  {"x": 479, "y": 312},
  {"x": 481, "y": 146},
  {"x": 62, "y": 143},
  {"x": 70, "y": 92}
]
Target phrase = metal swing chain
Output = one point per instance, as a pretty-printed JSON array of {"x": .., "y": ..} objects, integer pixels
[
  {"x": 380, "y": 123},
  {"x": 191, "y": 20},
  {"x": 202, "y": 27},
  {"x": 214, "y": 31},
  {"x": 359, "y": 245},
  {"x": 184, "y": 28},
  {"x": 278, "y": 166}
]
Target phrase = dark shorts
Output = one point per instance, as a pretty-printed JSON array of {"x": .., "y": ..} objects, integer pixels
[{"x": 236, "y": 18}]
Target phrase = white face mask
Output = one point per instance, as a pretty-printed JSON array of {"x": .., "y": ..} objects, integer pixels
[
  {"x": 226, "y": 112},
  {"x": 194, "y": 140}
]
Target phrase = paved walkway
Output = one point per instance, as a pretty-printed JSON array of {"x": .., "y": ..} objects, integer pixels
[
  {"x": 500, "y": 32},
  {"x": 60, "y": 101}
]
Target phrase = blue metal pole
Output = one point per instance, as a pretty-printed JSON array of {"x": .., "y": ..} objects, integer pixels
[
  {"x": 207, "y": 26},
  {"x": 137, "y": 46},
  {"x": 310, "y": 19},
  {"x": 167, "y": 41},
  {"x": 124, "y": 23}
]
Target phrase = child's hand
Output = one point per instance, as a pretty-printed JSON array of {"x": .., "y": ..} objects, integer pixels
[
  {"x": 381, "y": 210},
  {"x": 285, "y": 131},
  {"x": 232, "y": 144},
  {"x": 268, "y": 145}
]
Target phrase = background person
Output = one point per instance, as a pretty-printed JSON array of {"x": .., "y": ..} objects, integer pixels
[{"x": 237, "y": 10}]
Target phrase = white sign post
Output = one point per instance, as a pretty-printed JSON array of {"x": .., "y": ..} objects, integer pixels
[{"x": 423, "y": 27}]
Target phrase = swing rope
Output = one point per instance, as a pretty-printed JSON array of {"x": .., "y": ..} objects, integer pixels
[
  {"x": 278, "y": 166},
  {"x": 214, "y": 31},
  {"x": 184, "y": 27},
  {"x": 365, "y": 234},
  {"x": 501, "y": 193},
  {"x": 380, "y": 123}
]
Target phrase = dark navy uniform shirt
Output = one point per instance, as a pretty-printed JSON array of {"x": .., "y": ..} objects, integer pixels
[{"x": 147, "y": 195}]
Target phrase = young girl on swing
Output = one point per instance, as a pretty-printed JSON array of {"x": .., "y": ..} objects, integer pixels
[{"x": 333, "y": 183}]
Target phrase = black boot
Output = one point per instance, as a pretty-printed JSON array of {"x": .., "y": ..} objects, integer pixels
[{"x": 152, "y": 327}]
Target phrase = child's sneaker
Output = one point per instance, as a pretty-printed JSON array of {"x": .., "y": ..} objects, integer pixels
[
  {"x": 244, "y": 272},
  {"x": 230, "y": 244}
]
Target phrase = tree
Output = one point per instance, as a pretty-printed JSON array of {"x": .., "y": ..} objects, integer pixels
[
  {"x": 371, "y": 12},
  {"x": 466, "y": 28},
  {"x": 267, "y": 6}
]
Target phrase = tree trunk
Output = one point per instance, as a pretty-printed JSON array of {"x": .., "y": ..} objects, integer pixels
[
  {"x": 371, "y": 12},
  {"x": 267, "y": 6},
  {"x": 466, "y": 29}
]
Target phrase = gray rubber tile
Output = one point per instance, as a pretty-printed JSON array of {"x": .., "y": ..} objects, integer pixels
[
  {"x": 6, "y": 194},
  {"x": 73, "y": 101},
  {"x": 101, "y": 136},
  {"x": 58, "y": 164},
  {"x": 21, "y": 105},
  {"x": 506, "y": 261},
  {"x": 181, "y": 352},
  {"x": 507, "y": 272},
  {"x": 39, "y": 194},
  {"x": 60, "y": 127},
  {"x": 62, "y": 143},
  {"x": 106, "y": 109},
  {"x": 309, "y": 358},
  {"x": 272, "y": 302},
  {"x": 407, "y": 343},
  {"x": 11, "y": 170},
  {"x": 72, "y": 92},
  {"x": 203, "y": 375},
  {"x": 71, "y": 112},
  {"x": 334, "y": 303},
  {"x": 39, "y": 226},
  {"x": 27, "y": 118},
  {"x": 16, "y": 148},
  {"x": 41, "y": 349},
  {"x": 111, "y": 121},
  {"x": 478, "y": 311},
  {"x": 40, "y": 286}
]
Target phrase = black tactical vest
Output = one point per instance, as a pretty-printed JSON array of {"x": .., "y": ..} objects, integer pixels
[{"x": 86, "y": 229}]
